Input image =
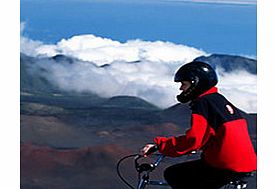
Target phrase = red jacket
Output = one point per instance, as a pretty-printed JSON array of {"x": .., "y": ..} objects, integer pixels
[{"x": 219, "y": 130}]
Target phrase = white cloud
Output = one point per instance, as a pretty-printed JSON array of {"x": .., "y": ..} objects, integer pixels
[
  {"x": 240, "y": 87},
  {"x": 104, "y": 51},
  {"x": 137, "y": 68}
]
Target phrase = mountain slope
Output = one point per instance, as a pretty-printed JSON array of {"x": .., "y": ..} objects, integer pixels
[
  {"x": 128, "y": 102},
  {"x": 230, "y": 62}
]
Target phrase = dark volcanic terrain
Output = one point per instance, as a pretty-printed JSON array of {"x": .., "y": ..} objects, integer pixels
[{"x": 79, "y": 148}]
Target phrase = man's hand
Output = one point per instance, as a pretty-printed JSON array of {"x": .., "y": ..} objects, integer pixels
[{"x": 149, "y": 149}]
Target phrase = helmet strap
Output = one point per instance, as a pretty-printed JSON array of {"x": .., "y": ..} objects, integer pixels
[{"x": 187, "y": 95}]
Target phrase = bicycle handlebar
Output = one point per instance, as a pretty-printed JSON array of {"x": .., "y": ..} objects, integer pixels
[
  {"x": 158, "y": 161},
  {"x": 144, "y": 167}
]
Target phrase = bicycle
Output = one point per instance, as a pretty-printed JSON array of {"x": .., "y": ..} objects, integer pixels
[{"x": 144, "y": 170}]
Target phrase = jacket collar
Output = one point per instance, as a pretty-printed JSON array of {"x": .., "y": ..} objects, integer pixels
[{"x": 210, "y": 91}]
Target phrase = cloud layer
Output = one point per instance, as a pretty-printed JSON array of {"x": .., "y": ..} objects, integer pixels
[{"x": 137, "y": 68}]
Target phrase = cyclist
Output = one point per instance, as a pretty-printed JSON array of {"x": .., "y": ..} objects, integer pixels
[{"x": 217, "y": 129}]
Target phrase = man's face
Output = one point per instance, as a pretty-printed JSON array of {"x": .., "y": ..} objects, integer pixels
[{"x": 185, "y": 85}]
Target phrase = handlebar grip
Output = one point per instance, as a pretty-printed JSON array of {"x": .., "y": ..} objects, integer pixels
[{"x": 151, "y": 150}]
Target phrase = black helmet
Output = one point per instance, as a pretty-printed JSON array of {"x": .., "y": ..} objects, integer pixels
[{"x": 202, "y": 77}]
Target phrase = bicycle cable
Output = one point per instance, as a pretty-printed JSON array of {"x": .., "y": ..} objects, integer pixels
[{"x": 118, "y": 170}]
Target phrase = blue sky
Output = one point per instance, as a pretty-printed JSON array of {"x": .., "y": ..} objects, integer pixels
[{"x": 224, "y": 26}]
